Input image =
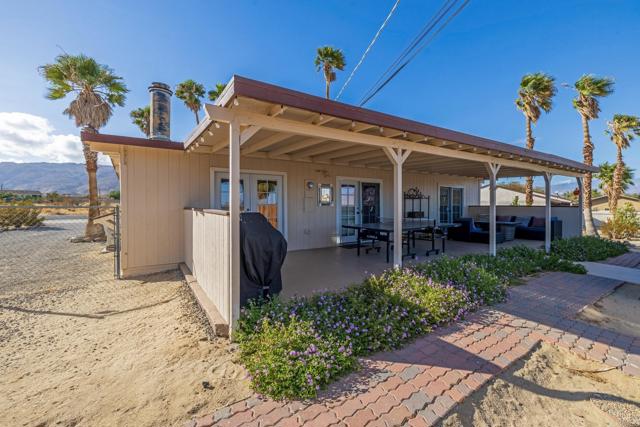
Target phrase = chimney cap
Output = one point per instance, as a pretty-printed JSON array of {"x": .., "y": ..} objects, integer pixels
[{"x": 160, "y": 86}]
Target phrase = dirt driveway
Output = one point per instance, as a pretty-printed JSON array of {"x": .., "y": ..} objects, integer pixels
[{"x": 78, "y": 348}]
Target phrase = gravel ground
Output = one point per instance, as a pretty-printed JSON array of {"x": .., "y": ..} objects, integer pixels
[{"x": 78, "y": 348}]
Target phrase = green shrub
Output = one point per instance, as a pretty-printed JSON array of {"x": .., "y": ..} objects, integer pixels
[
  {"x": 587, "y": 248},
  {"x": 625, "y": 223},
  {"x": 293, "y": 348},
  {"x": 485, "y": 285},
  {"x": 19, "y": 217}
]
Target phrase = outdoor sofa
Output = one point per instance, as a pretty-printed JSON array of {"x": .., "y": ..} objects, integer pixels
[{"x": 469, "y": 232}]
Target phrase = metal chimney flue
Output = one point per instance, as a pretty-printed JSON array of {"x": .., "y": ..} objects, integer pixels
[{"x": 160, "y": 119}]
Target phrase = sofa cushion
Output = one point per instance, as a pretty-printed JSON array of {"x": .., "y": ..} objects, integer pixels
[
  {"x": 523, "y": 221},
  {"x": 503, "y": 218},
  {"x": 537, "y": 222}
]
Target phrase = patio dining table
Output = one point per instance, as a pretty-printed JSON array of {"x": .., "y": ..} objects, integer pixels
[{"x": 409, "y": 227}]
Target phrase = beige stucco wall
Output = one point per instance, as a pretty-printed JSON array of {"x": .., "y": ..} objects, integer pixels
[{"x": 158, "y": 184}]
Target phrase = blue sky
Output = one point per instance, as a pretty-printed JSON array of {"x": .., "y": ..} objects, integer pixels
[{"x": 465, "y": 80}]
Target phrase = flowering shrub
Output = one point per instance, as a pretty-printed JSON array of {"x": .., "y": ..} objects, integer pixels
[
  {"x": 292, "y": 348},
  {"x": 625, "y": 223},
  {"x": 587, "y": 248}
]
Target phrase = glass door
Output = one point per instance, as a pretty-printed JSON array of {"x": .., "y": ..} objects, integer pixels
[
  {"x": 349, "y": 210},
  {"x": 267, "y": 196},
  {"x": 451, "y": 204},
  {"x": 258, "y": 193},
  {"x": 370, "y": 202}
]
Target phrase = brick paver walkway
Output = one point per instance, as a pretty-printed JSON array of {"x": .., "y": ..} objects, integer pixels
[
  {"x": 419, "y": 384},
  {"x": 630, "y": 259}
]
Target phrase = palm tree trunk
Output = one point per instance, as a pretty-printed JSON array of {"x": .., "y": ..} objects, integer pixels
[
  {"x": 197, "y": 117},
  {"x": 528, "y": 187},
  {"x": 587, "y": 152},
  {"x": 92, "y": 231},
  {"x": 327, "y": 84},
  {"x": 617, "y": 181}
]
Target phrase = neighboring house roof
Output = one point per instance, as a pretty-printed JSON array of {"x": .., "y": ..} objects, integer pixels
[
  {"x": 605, "y": 198},
  {"x": 437, "y": 150},
  {"x": 535, "y": 193}
]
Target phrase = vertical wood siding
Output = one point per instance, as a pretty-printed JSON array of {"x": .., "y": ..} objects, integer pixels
[
  {"x": 206, "y": 249},
  {"x": 158, "y": 184}
]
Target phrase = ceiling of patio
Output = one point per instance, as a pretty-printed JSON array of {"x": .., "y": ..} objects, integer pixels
[{"x": 264, "y": 143}]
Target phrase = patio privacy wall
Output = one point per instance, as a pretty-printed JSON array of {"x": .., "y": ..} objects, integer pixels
[
  {"x": 206, "y": 252},
  {"x": 157, "y": 184},
  {"x": 569, "y": 215}
]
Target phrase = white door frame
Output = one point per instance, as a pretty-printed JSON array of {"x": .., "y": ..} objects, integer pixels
[
  {"x": 338, "y": 199},
  {"x": 244, "y": 172}
]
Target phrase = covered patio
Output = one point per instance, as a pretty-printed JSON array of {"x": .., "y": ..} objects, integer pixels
[
  {"x": 253, "y": 122},
  {"x": 309, "y": 271}
]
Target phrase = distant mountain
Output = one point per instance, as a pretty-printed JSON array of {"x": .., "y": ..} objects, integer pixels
[{"x": 63, "y": 178}]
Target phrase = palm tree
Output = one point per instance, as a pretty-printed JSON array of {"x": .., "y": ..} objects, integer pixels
[
  {"x": 96, "y": 90},
  {"x": 328, "y": 59},
  {"x": 215, "y": 93},
  {"x": 191, "y": 92},
  {"x": 622, "y": 130},
  {"x": 534, "y": 96},
  {"x": 606, "y": 178},
  {"x": 140, "y": 117},
  {"x": 589, "y": 88}
]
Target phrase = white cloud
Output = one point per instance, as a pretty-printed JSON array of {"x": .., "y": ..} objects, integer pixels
[{"x": 28, "y": 138}]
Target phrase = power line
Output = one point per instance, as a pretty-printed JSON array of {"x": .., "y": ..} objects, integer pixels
[
  {"x": 428, "y": 26},
  {"x": 377, "y": 88},
  {"x": 364, "y": 55}
]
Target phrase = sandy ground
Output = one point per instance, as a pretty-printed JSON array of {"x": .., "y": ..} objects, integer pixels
[
  {"x": 619, "y": 311},
  {"x": 78, "y": 348},
  {"x": 553, "y": 387}
]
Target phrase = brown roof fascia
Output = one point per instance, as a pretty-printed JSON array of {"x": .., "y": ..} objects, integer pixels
[{"x": 129, "y": 140}]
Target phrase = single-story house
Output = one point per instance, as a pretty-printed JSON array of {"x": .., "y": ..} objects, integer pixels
[
  {"x": 601, "y": 203},
  {"x": 310, "y": 165},
  {"x": 506, "y": 195}
]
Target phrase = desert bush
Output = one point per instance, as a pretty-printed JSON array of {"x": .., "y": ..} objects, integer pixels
[
  {"x": 587, "y": 248},
  {"x": 19, "y": 217},
  {"x": 625, "y": 223}
]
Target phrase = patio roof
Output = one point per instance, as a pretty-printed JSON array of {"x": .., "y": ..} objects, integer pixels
[{"x": 280, "y": 123}]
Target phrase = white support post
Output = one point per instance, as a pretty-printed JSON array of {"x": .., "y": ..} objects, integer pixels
[
  {"x": 493, "y": 170},
  {"x": 547, "y": 212},
  {"x": 234, "y": 223},
  {"x": 580, "y": 204},
  {"x": 397, "y": 157}
]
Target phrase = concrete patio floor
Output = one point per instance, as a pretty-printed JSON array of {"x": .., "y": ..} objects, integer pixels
[{"x": 309, "y": 271}]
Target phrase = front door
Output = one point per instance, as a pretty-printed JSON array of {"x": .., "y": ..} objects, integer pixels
[
  {"x": 258, "y": 193},
  {"x": 359, "y": 203},
  {"x": 451, "y": 204}
]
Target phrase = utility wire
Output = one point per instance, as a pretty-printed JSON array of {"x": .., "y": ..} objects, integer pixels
[
  {"x": 373, "y": 41},
  {"x": 377, "y": 89},
  {"x": 429, "y": 25}
]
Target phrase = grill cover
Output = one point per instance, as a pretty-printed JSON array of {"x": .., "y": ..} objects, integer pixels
[{"x": 262, "y": 252}]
